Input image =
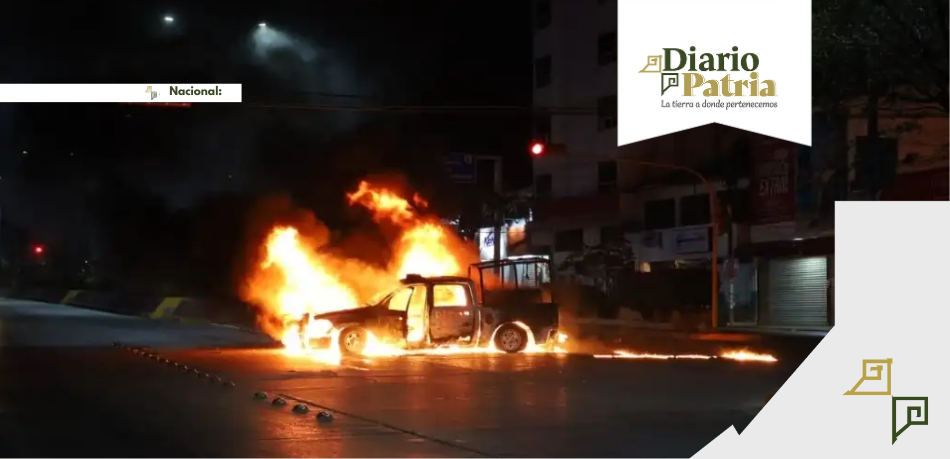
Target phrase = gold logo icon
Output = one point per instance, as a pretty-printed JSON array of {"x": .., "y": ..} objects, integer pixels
[
  {"x": 874, "y": 370},
  {"x": 654, "y": 63}
]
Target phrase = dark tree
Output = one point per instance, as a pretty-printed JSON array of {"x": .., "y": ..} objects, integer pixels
[{"x": 896, "y": 48}]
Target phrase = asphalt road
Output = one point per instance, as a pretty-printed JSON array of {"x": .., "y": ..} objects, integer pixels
[{"x": 83, "y": 397}]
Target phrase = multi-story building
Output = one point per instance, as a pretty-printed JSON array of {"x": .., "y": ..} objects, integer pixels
[
  {"x": 575, "y": 65},
  {"x": 779, "y": 239}
]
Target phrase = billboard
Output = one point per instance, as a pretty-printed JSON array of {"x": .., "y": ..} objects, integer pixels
[
  {"x": 486, "y": 243},
  {"x": 461, "y": 167},
  {"x": 772, "y": 185}
]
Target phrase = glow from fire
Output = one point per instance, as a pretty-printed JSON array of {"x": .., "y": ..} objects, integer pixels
[
  {"x": 423, "y": 251},
  {"x": 296, "y": 281}
]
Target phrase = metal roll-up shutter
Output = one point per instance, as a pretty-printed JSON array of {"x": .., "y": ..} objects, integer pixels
[
  {"x": 797, "y": 295},
  {"x": 831, "y": 289}
]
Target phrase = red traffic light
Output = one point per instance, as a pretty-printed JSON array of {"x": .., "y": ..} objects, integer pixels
[
  {"x": 38, "y": 249},
  {"x": 537, "y": 149}
]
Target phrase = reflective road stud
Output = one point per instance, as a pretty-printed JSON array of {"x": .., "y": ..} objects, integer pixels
[
  {"x": 324, "y": 417},
  {"x": 301, "y": 409}
]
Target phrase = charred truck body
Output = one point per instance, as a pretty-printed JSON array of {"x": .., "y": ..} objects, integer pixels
[{"x": 453, "y": 310}]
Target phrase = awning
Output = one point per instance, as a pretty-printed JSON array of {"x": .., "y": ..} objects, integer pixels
[{"x": 811, "y": 247}]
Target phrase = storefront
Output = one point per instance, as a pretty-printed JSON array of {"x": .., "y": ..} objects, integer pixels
[
  {"x": 793, "y": 292},
  {"x": 794, "y": 282}
]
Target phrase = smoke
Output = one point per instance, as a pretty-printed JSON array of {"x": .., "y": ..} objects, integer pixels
[
  {"x": 305, "y": 66},
  {"x": 266, "y": 41}
]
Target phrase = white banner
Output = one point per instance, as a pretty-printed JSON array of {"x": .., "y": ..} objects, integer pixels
[
  {"x": 688, "y": 63},
  {"x": 121, "y": 93},
  {"x": 486, "y": 243}
]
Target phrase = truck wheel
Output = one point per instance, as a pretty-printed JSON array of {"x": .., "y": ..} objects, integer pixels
[
  {"x": 511, "y": 338},
  {"x": 352, "y": 341}
]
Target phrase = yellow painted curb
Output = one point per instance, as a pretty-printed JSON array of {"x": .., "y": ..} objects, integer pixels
[
  {"x": 70, "y": 296},
  {"x": 166, "y": 309}
]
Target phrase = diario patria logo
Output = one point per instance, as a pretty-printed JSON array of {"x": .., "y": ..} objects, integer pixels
[
  {"x": 712, "y": 75},
  {"x": 151, "y": 93},
  {"x": 877, "y": 373}
]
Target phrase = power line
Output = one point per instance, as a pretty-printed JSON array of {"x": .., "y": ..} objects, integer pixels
[
  {"x": 434, "y": 109},
  {"x": 414, "y": 108}
]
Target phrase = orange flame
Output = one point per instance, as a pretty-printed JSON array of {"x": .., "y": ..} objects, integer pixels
[
  {"x": 424, "y": 247},
  {"x": 296, "y": 280},
  {"x": 385, "y": 204},
  {"x": 293, "y": 282}
]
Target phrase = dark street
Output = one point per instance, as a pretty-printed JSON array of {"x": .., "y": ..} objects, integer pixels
[{"x": 98, "y": 400}]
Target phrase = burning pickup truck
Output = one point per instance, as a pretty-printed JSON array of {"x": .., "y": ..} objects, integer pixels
[{"x": 429, "y": 312}]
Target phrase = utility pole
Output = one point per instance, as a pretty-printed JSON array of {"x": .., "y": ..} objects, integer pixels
[
  {"x": 714, "y": 221},
  {"x": 499, "y": 217}
]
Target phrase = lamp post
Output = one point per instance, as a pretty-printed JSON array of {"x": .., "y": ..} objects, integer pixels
[{"x": 714, "y": 221}]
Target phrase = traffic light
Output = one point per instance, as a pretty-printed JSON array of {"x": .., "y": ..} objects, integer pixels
[{"x": 537, "y": 148}]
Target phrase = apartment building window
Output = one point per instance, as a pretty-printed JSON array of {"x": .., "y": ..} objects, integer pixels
[
  {"x": 659, "y": 214},
  {"x": 543, "y": 185},
  {"x": 542, "y": 72},
  {"x": 611, "y": 235},
  {"x": 542, "y": 14},
  {"x": 569, "y": 241},
  {"x": 607, "y": 113},
  {"x": 542, "y": 128},
  {"x": 606, "y": 176},
  {"x": 607, "y": 48},
  {"x": 694, "y": 210}
]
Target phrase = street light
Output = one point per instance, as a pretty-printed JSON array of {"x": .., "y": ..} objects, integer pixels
[
  {"x": 262, "y": 25},
  {"x": 169, "y": 19},
  {"x": 714, "y": 221}
]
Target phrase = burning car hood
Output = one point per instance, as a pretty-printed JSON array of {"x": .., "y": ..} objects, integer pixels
[{"x": 352, "y": 315}]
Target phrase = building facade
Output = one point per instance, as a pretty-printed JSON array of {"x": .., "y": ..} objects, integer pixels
[{"x": 775, "y": 200}]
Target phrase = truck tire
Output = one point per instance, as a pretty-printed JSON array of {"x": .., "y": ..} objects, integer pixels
[
  {"x": 511, "y": 338},
  {"x": 352, "y": 341}
]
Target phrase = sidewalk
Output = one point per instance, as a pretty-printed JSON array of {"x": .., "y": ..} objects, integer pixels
[{"x": 803, "y": 332}]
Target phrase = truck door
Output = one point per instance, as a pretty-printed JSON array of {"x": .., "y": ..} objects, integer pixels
[
  {"x": 395, "y": 321},
  {"x": 417, "y": 315},
  {"x": 453, "y": 312}
]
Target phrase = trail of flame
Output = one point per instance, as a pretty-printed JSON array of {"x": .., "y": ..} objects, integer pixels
[{"x": 740, "y": 355}]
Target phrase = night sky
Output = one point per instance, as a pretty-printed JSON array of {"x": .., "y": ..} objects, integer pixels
[{"x": 327, "y": 53}]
